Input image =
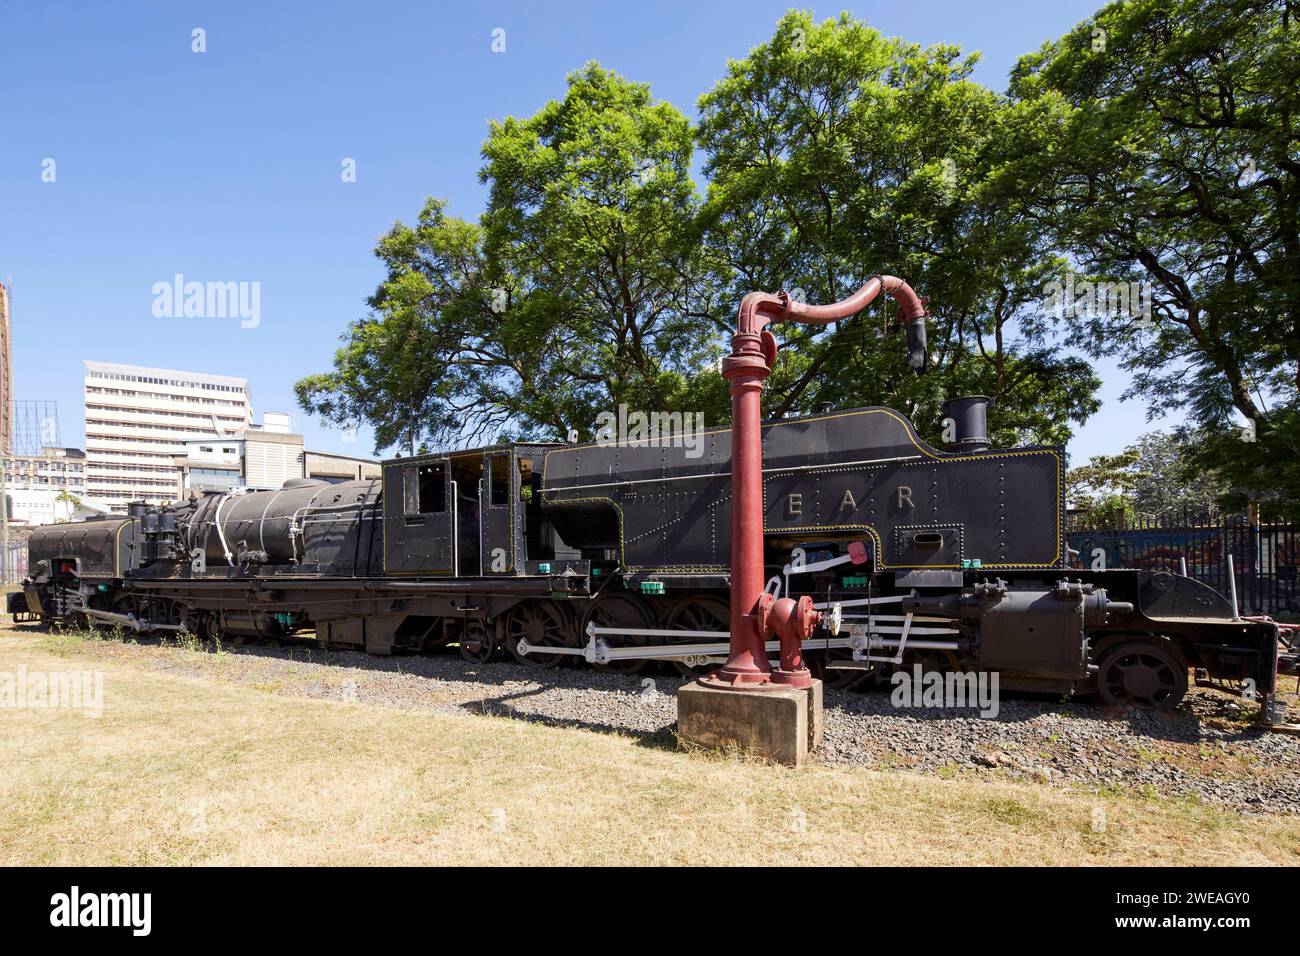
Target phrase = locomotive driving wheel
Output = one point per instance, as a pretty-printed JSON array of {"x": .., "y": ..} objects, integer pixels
[
  {"x": 1145, "y": 673},
  {"x": 619, "y": 609},
  {"x": 173, "y": 612},
  {"x": 700, "y": 612},
  {"x": 837, "y": 678},
  {"x": 126, "y": 604},
  {"x": 196, "y": 621},
  {"x": 477, "y": 645},
  {"x": 541, "y": 624}
]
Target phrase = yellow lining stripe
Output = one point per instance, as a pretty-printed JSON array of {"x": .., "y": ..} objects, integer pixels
[
  {"x": 991, "y": 455},
  {"x": 117, "y": 547},
  {"x": 908, "y": 429}
]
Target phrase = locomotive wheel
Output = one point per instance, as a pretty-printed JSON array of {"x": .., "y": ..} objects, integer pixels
[
  {"x": 1152, "y": 675},
  {"x": 173, "y": 613},
  {"x": 699, "y": 612},
  {"x": 196, "y": 622},
  {"x": 937, "y": 660},
  {"x": 477, "y": 645},
  {"x": 619, "y": 609},
  {"x": 129, "y": 604},
  {"x": 835, "y": 678},
  {"x": 541, "y": 623}
]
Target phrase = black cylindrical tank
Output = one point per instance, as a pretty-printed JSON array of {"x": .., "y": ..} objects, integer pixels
[
  {"x": 307, "y": 522},
  {"x": 970, "y": 419}
]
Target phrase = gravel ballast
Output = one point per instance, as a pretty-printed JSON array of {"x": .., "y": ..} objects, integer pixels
[{"x": 1207, "y": 750}]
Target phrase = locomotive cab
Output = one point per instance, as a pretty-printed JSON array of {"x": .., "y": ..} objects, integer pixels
[{"x": 467, "y": 514}]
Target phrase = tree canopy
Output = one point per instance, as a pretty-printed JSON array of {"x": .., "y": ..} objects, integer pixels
[
  {"x": 834, "y": 153},
  {"x": 1160, "y": 143},
  {"x": 1154, "y": 144}
]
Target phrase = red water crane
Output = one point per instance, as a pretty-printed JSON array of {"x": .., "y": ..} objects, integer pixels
[{"x": 755, "y": 614}]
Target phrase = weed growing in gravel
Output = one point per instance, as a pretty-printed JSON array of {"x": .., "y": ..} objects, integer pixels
[
  {"x": 188, "y": 641},
  {"x": 1107, "y": 791}
]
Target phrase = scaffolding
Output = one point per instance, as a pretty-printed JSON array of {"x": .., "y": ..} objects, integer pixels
[
  {"x": 6, "y": 374},
  {"x": 36, "y": 427}
]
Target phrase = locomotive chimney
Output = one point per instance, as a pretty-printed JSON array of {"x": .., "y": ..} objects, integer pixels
[{"x": 970, "y": 418}]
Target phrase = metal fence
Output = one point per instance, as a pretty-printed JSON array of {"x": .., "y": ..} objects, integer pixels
[
  {"x": 1265, "y": 554},
  {"x": 13, "y": 567}
]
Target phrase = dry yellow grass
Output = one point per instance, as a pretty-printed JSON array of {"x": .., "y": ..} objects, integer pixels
[{"x": 182, "y": 771}]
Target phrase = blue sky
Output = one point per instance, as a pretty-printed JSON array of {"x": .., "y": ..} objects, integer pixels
[{"x": 225, "y": 165}]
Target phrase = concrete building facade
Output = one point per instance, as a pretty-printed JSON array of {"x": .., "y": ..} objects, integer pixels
[
  {"x": 54, "y": 469},
  {"x": 139, "y": 421},
  {"x": 48, "y": 487},
  {"x": 327, "y": 466},
  {"x": 258, "y": 460},
  {"x": 271, "y": 458},
  {"x": 261, "y": 458}
]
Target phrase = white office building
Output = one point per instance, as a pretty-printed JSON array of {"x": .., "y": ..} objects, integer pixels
[
  {"x": 259, "y": 459},
  {"x": 139, "y": 421},
  {"x": 262, "y": 458}
]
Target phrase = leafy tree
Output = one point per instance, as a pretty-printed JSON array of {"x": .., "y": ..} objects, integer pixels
[
  {"x": 1250, "y": 467},
  {"x": 1108, "y": 511},
  {"x": 1155, "y": 475},
  {"x": 1101, "y": 492},
  {"x": 1169, "y": 479},
  {"x": 833, "y": 153},
  {"x": 581, "y": 288},
  {"x": 72, "y": 501},
  {"x": 1159, "y": 142},
  {"x": 1103, "y": 474},
  {"x": 591, "y": 222}
]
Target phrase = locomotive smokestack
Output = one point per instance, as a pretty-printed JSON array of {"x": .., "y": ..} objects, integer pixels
[{"x": 970, "y": 418}]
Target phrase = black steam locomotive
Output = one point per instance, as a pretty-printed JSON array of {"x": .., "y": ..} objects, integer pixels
[{"x": 617, "y": 553}]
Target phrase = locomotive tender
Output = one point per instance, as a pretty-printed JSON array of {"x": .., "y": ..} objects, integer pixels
[{"x": 618, "y": 553}]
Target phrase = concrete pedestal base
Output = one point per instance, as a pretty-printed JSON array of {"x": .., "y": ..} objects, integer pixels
[{"x": 782, "y": 725}]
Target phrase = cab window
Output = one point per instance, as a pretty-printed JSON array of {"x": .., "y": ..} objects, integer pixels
[
  {"x": 499, "y": 481},
  {"x": 424, "y": 488}
]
